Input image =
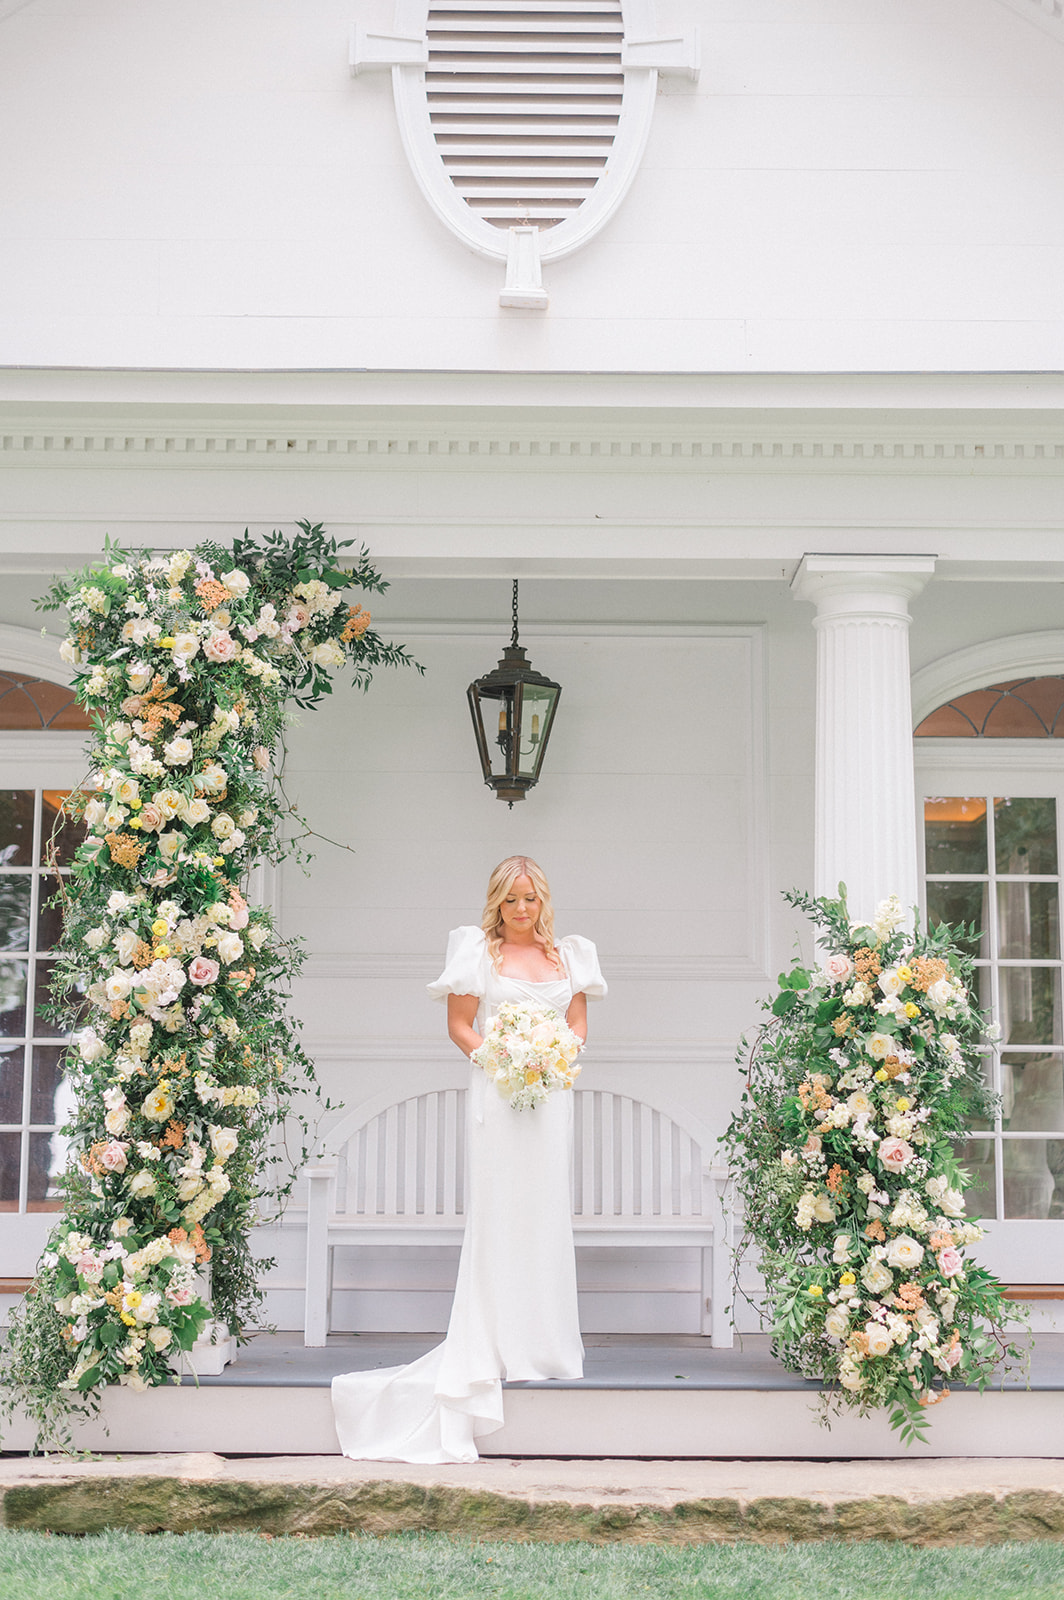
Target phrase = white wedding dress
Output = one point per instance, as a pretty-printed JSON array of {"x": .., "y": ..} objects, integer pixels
[{"x": 514, "y": 1314}]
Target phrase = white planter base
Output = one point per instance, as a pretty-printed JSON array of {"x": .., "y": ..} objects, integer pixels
[{"x": 212, "y": 1352}]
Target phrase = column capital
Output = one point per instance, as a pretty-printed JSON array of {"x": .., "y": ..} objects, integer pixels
[{"x": 872, "y": 585}]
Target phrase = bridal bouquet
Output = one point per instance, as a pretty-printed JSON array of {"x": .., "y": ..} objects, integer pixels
[
  {"x": 867, "y": 1074},
  {"x": 528, "y": 1052}
]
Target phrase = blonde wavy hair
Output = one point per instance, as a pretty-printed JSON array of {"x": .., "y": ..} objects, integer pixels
[{"x": 500, "y": 883}]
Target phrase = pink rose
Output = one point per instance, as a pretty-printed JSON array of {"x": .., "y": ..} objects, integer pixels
[
  {"x": 112, "y": 1156},
  {"x": 895, "y": 1154},
  {"x": 261, "y": 757},
  {"x": 151, "y": 818},
  {"x": 221, "y": 647},
  {"x": 950, "y": 1261},
  {"x": 202, "y": 970},
  {"x": 239, "y": 918},
  {"x": 838, "y": 967},
  {"x": 89, "y": 1265},
  {"x": 296, "y": 617},
  {"x": 180, "y": 1297},
  {"x": 950, "y": 1357}
]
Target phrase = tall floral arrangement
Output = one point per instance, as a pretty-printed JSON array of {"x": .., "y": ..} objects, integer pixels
[
  {"x": 186, "y": 1060},
  {"x": 858, "y": 1087}
]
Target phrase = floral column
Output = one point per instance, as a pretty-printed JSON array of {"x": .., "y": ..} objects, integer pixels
[{"x": 866, "y": 833}]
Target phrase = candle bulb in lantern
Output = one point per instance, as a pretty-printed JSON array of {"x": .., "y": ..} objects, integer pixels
[
  {"x": 535, "y": 727},
  {"x": 502, "y": 720}
]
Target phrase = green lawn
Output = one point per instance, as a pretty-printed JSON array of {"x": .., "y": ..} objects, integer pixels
[{"x": 232, "y": 1566}]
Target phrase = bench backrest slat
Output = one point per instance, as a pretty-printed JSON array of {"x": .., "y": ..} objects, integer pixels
[{"x": 630, "y": 1159}]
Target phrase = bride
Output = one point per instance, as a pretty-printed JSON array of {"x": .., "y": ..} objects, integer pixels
[{"x": 514, "y": 1314}]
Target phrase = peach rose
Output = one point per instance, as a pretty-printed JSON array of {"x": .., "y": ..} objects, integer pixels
[{"x": 895, "y": 1154}]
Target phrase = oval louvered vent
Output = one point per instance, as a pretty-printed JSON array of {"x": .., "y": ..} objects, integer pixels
[
  {"x": 524, "y": 100},
  {"x": 524, "y": 120}
]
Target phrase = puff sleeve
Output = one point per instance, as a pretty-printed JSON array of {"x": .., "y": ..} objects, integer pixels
[
  {"x": 581, "y": 960},
  {"x": 464, "y": 970}
]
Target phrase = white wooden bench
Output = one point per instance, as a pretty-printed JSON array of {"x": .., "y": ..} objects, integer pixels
[{"x": 392, "y": 1173}]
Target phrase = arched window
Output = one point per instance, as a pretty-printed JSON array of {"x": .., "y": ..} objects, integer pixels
[{"x": 1022, "y": 708}]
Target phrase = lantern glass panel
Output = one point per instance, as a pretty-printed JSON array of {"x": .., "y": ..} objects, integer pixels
[{"x": 537, "y": 706}]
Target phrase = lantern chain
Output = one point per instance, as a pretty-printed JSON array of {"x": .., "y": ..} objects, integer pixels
[{"x": 513, "y": 636}]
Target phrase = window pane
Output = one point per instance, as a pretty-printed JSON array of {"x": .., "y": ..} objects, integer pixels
[
  {"x": 61, "y": 834},
  {"x": 49, "y": 1097},
  {"x": 1028, "y": 921},
  {"x": 976, "y": 1156},
  {"x": 955, "y": 830},
  {"x": 11, "y": 1082},
  {"x": 49, "y": 917},
  {"x": 961, "y": 902},
  {"x": 1032, "y": 1092},
  {"x": 1025, "y": 834},
  {"x": 16, "y": 827},
  {"x": 983, "y": 1123},
  {"x": 14, "y": 912},
  {"x": 47, "y": 1160},
  {"x": 12, "y": 998},
  {"x": 1030, "y": 1005},
  {"x": 1034, "y": 1178},
  {"x": 10, "y": 1146}
]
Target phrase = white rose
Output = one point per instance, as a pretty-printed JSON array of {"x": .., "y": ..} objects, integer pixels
[
  {"x": 95, "y": 811},
  {"x": 125, "y": 944},
  {"x": 257, "y": 936},
  {"x": 118, "y": 986},
  {"x": 823, "y": 1210},
  {"x": 880, "y": 1342},
  {"x": 69, "y": 652},
  {"x": 840, "y": 1252},
  {"x": 879, "y": 1045},
  {"x": 223, "y": 825},
  {"x": 326, "y": 654},
  {"x": 169, "y": 844},
  {"x": 197, "y": 811},
  {"x": 177, "y": 752},
  {"x": 904, "y": 1252},
  {"x": 837, "y": 1322},
  {"x": 941, "y": 992},
  {"x": 238, "y": 583},
  {"x": 160, "y": 1337},
  {"x": 118, "y": 902},
  {"x": 889, "y": 981},
  {"x": 142, "y": 1183},
  {"x": 223, "y": 1142},
  {"x": 96, "y": 938},
  {"x": 234, "y": 842},
  {"x": 230, "y": 947},
  {"x": 875, "y": 1277},
  {"x": 185, "y": 647},
  {"x": 90, "y": 1046}
]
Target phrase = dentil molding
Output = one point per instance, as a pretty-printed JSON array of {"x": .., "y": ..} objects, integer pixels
[{"x": 295, "y": 446}]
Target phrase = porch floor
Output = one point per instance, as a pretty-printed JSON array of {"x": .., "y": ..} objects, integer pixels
[
  {"x": 643, "y": 1396},
  {"x": 612, "y": 1361}
]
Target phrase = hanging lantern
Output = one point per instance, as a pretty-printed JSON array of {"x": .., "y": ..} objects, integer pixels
[{"x": 513, "y": 712}]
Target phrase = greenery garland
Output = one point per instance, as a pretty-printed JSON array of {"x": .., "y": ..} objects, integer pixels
[
  {"x": 188, "y": 1060},
  {"x": 858, "y": 1086}
]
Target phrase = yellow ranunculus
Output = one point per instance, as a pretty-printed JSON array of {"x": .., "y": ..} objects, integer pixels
[
  {"x": 135, "y": 805},
  {"x": 133, "y": 1298},
  {"x": 160, "y": 927},
  {"x": 166, "y": 643},
  {"x": 847, "y": 1278},
  {"x": 815, "y": 1290},
  {"x": 130, "y": 1322},
  {"x": 134, "y": 823},
  {"x": 905, "y": 973},
  {"x": 162, "y": 951},
  {"x": 881, "y": 1076},
  {"x": 902, "y": 1103},
  {"x": 911, "y": 1010}
]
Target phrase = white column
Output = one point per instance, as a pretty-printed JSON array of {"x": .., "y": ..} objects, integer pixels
[{"x": 866, "y": 828}]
